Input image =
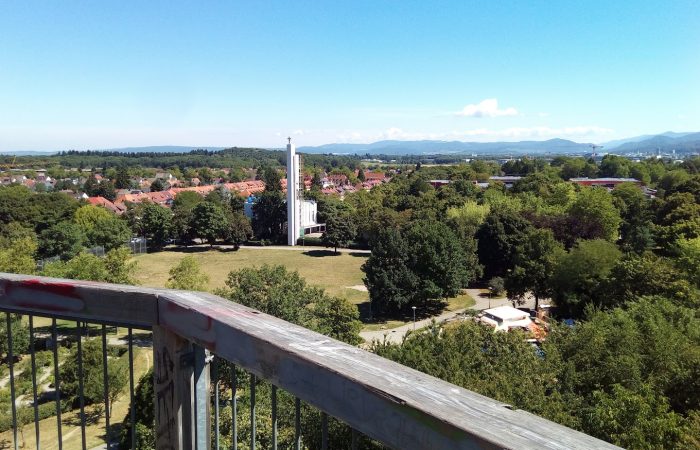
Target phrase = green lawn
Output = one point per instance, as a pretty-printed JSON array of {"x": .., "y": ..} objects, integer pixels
[
  {"x": 339, "y": 275},
  {"x": 335, "y": 273}
]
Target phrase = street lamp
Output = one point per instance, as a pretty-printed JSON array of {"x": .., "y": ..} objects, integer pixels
[{"x": 414, "y": 318}]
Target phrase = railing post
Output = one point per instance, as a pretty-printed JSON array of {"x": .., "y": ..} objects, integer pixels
[{"x": 180, "y": 371}]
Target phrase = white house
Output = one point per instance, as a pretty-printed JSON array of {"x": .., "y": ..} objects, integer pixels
[{"x": 504, "y": 318}]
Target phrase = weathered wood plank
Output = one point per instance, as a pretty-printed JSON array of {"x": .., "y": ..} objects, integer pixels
[
  {"x": 397, "y": 405},
  {"x": 392, "y": 403},
  {"x": 79, "y": 300},
  {"x": 173, "y": 394}
]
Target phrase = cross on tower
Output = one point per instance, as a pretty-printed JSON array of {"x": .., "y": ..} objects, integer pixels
[{"x": 289, "y": 139}]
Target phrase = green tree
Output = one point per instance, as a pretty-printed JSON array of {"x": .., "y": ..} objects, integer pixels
[
  {"x": 109, "y": 232},
  {"x": 272, "y": 179},
  {"x": 239, "y": 229},
  {"x": 14, "y": 231},
  {"x": 635, "y": 229},
  {"x": 18, "y": 256},
  {"x": 688, "y": 260},
  {"x": 115, "y": 267},
  {"x": 20, "y": 335},
  {"x": 145, "y": 416},
  {"x": 468, "y": 217},
  {"x": 615, "y": 166},
  {"x": 208, "y": 222},
  {"x": 64, "y": 239},
  {"x": 275, "y": 291},
  {"x": 340, "y": 231},
  {"x": 498, "y": 237},
  {"x": 157, "y": 185},
  {"x": 439, "y": 261},
  {"x": 92, "y": 377},
  {"x": 122, "y": 180},
  {"x": 87, "y": 217},
  {"x": 182, "y": 208},
  {"x": 594, "y": 215},
  {"x": 91, "y": 186},
  {"x": 424, "y": 263},
  {"x": 579, "y": 275},
  {"x": 497, "y": 286},
  {"x": 637, "y": 418},
  {"x": 335, "y": 317},
  {"x": 390, "y": 281},
  {"x": 270, "y": 216},
  {"x": 473, "y": 356},
  {"x": 361, "y": 174},
  {"x": 156, "y": 224},
  {"x": 535, "y": 260},
  {"x": 188, "y": 276},
  {"x": 120, "y": 269},
  {"x": 635, "y": 276}
]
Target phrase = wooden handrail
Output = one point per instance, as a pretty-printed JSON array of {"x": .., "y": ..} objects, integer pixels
[{"x": 394, "y": 404}]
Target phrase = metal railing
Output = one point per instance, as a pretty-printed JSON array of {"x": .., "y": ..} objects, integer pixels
[{"x": 203, "y": 345}]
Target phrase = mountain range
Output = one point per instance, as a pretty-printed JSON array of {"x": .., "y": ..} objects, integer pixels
[
  {"x": 665, "y": 142},
  {"x": 668, "y": 142}
]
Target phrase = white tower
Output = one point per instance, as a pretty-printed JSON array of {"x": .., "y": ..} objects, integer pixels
[{"x": 293, "y": 196}]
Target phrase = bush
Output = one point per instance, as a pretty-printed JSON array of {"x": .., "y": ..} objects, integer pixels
[{"x": 497, "y": 285}]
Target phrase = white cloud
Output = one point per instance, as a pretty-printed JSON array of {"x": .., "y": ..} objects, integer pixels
[
  {"x": 486, "y": 108},
  {"x": 298, "y": 132}
]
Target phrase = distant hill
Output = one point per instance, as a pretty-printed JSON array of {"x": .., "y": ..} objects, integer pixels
[
  {"x": 557, "y": 146},
  {"x": 151, "y": 149},
  {"x": 27, "y": 153},
  {"x": 160, "y": 149},
  {"x": 666, "y": 142},
  {"x": 616, "y": 143},
  {"x": 682, "y": 143}
]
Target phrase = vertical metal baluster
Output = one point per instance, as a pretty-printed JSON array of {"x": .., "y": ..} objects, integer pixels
[
  {"x": 234, "y": 408},
  {"x": 132, "y": 409},
  {"x": 217, "y": 382},
  {"x": 324, "y": 431},
  {"x": 56, "y": 383},
  {"x": 34, "y": 390},
  {"x": 297, "y": 424},
  {"x": 354, "y": 439},
  {"x": 252, "y": 412},
  {"x": 105, "y": 383},
  {"x": 202, "y": 398},
  {"x": 274, "y": 417},
  {"x": 11, "y": 363},
  {"x": 81, "y": 391}
]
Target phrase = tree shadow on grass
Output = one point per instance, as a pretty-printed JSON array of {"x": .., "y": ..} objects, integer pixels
[
  {"x": 92, "y": 416},
  {"x": 320, "y": 253},
  {"x": 183, "y": 249}
]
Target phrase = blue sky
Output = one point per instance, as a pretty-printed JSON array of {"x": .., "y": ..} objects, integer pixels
[{"x": 112, "y": 74}]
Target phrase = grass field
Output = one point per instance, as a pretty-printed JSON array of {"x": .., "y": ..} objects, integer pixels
[
  {"x": 335, "y": 273},
  {"x": 339, "y": 275}
]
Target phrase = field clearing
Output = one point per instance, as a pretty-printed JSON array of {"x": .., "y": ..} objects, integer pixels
[{"x": 337, "y": 274}]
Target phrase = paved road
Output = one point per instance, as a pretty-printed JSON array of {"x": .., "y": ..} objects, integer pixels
[{"x": 395, "y": 335}]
